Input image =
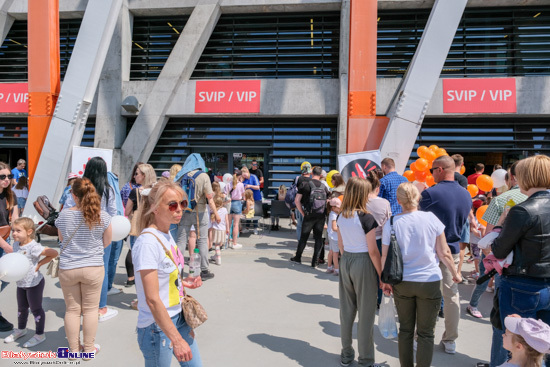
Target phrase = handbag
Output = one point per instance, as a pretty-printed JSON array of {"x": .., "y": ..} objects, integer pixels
[
  {"x": 193, "y": 312},
  {"x": 495, "y": 319},
  {"x": 393, "y": 267},
  {"x": 53, "y": 266},
  {"x": 136, "y": 215},
  {"x": 5, "y": 232}
]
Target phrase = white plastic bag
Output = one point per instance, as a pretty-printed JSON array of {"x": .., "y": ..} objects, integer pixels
[{"x": 386, "y": 318}]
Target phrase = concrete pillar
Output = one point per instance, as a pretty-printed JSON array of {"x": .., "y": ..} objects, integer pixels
[
  {"x": 152, "y": 119},
  {"x": 110, "y": 129},
  {"x": 343, "y": 74},
  {"x": 6, "y": 20}
]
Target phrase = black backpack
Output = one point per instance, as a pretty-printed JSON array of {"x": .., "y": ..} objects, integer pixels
[
  {"x": 291, "y": 196},
  {"x": 317, "y": 199}
]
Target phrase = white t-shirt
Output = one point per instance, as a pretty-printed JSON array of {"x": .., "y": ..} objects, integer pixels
[
  {"x": 222, "y": 212},
  {"x": 332, "y": 234},
  {"x": 416, "y": 235},
  {"x": 353, "y": 231},
  {"x": 147, "y": 254},
  {"x": 32, "y": 251}
]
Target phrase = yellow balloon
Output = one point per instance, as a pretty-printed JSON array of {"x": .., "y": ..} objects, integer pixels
[
  {"x": 302, "y": 165},
  {"x": 329, "y": 177}
]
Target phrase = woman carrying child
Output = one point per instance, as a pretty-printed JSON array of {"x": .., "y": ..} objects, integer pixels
[
  {"x": 219, "y": 230},
  {"x": 31, "y": 288}
]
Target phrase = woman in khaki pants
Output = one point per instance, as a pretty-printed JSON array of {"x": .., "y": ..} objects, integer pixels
[{"x": 84, "y": 231}]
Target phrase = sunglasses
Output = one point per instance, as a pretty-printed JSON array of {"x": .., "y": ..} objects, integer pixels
[
  {"x": 433, "y": 169},
  {"x": 173, "y": 205},
  {"x": 3, "y": 177}
]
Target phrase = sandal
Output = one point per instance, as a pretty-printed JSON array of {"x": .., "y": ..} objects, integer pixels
[{"x": 474, "y": 312}]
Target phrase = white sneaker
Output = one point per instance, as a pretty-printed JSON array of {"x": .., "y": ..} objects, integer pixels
[
  {"x": 450, "y": 347},
  {"x": 236, "y": 246},
  {"x": 17, "y": 333},
  {"x": 108, "y": 315},
  {"x": 114, "y": 291},
  {"x": 35, "y": 340}
]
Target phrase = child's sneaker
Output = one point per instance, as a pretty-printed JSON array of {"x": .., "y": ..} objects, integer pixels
[
  {"x": 17, "y": 333},
  {"x": 35, "y": 340},
  {"x": 96, "y": 351},
  {"x": 330, "y": 270},
  {"x": 474, "y": 312},
  {"x": 336, "y": 272}
]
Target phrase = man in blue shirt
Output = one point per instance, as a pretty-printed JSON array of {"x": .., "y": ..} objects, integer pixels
[
  {"x": 389, "y": 184},
  {"x": 19, "y": 171},
  {"x": 451, "y": 203}
]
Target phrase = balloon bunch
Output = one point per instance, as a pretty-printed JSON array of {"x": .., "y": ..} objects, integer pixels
[
  {"x": 420, "y": 169},
  {"x": 486, "y": 182}
]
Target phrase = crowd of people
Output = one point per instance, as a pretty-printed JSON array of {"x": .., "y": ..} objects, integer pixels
[{"x": 185, "y": 209}]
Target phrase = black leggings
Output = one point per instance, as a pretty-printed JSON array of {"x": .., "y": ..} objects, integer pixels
[
  {"x": 129, "y": 264},
  {"x": 31, "y": 297}
]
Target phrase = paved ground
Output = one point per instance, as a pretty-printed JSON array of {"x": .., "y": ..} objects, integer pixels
[{"x": 263, "y": 310}]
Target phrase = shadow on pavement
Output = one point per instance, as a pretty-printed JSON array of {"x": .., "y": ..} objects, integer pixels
[
  {"x": 303, "y": 353},
  {"x": 318, "y": 299}
]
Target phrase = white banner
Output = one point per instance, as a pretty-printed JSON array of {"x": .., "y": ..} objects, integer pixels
[
  {"x": 358, "y": 164},
  {"x": 81, "y": 156}
]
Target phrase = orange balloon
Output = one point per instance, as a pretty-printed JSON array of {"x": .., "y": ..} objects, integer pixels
[
  {"x": 479, "y": 214},
  {"x": 485, "y": 183},
  {"x": 409, "y": 175},
  {"x": 462, "y": 170},
  {"x": 440, "y": 152},
  {"x": 430, "y": 155},
  {"x": 413, "y": 167},
  {"x": 433, "y": 148},
  {"x": 430, "y": 165},
  {"x": 422, "y": 150},
  {"x": 422, "y": 164},
  {"x": 473, "y": 190},
  {"x": 420, "y": 176},
  {"x": 430, "y": 180}
]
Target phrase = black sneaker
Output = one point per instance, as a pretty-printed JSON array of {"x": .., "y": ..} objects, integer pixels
[
  {"x": 130, "y": 283},
  {"x": 441, "y": 314},
  {"x": 5, "y": 325},
  {"x": 296, "y": 260},
  {"x": 321, "y": 261},
  {"x": 205, "y": 275}
]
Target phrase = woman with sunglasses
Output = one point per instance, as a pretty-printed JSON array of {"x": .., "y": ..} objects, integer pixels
[
  {"x": 8, "y": 204},
  {"x": 144, "y": 177},
  {"x": 161, "y": 327}
]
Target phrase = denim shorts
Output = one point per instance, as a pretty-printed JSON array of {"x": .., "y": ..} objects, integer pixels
[
  {"x": 236, "y": 207},
  {"x": 465, "y": 235},
  {"x": 157, "y": 348}
]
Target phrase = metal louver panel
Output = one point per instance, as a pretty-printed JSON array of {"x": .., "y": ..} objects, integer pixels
[
  {"x": 488, "y": 42},
  {"x": 288, "y": 142},
  {"x": 14, "y": 53}
]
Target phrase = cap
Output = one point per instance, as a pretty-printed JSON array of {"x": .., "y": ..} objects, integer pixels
[
  {"x": 306, "y": 167},
  {"x": 72, "y": 175},
  {"x": 166, "y": 174},
  {"x": 335, "y": 202},
  {"x": 477, "y": 204},
  {"x": 535, "y": 332}
]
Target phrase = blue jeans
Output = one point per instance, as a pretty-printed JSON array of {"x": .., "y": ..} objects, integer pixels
[
  {"x": 479, "y": 288},
  {"x": 157, "y": 348},
  {"x": 499, "y": 355},
  {"x": 173, "y": 231},
  {"x": 116, "y": 248},
  {"x": 106, "y": 257},
  {"x": 299, "y": 220}
]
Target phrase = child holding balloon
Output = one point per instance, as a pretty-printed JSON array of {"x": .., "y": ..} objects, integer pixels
[{"x": 31, "y": 287}]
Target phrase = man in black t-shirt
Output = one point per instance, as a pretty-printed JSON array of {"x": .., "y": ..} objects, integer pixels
[
  {"x": 314, "y": 218},
  {"x": 459, "y": 162},
  {"x": 255, "y": 170}
]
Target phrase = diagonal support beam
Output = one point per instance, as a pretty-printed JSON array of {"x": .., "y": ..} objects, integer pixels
[
  {"x": 6, "y": 20},
  {"x": 407, "y": 112},
  {"x": 152, "y": 119},
  {"x": 75, "y": 98}
]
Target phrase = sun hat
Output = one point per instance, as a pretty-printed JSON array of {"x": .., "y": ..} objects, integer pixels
[
  {"x": 335, "y": 202},
  {"x": 535, "y": 332}
]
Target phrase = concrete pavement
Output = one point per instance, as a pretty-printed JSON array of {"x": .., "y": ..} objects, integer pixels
[{"x": 263, "y": 310}]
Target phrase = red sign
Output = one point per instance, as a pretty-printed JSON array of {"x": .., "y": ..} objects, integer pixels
[
  {"x": 230, "y": 96},
  {"x": 14, "y": 97},
  {"x": 472, "y": 95}
]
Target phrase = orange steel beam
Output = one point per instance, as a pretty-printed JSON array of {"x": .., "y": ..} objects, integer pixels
[
  {"x": 44, "y": 74},
  {"x": 365, "y": 131}
]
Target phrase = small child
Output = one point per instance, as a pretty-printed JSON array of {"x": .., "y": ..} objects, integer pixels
[
  {"x": 31, "y": 288},
  {"x": 332, "y": 231},
  {"x": 21, "y": 191},
  {"x": 527, "y": 340},
  {"x": 220, "y": 230},
  {"x": 248, "y": 209},
  {"x": 67, "y": 190}
]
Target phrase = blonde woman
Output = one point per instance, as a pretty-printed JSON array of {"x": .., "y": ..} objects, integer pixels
[
  {"x": 359, "y": 265},
  {"x": 174, "y": 170},
  {"x": 421, "y": 238},
  {"x": 145, "y": 176},
  {"x": 281, "y": 194},
  {"x": 235, "y": 191},
  {"x": 161, "y": 327}
]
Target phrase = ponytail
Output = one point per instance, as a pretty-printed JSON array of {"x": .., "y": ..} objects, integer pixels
[{"x": 90, "y": 202}]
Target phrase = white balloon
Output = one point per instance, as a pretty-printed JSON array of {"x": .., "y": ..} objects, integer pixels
[
  {"x": 499, "y": 177},
  {"x": 227, "y": 178},
  {"x": 13, "y": 267},
  {"x": 121, "y": 227},
  {"x": 222, "y": 186}
]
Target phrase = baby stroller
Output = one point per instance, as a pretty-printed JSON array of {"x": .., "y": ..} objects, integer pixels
[{"x": 46, "y": 211}]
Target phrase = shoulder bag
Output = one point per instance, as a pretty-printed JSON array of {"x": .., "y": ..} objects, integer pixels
[
  {"x": 393, "y": 268},
  {"x": 193, "y": 312},
  {"x": 53, "y": 266}
]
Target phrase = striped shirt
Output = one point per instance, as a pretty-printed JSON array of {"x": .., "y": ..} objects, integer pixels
[
  {"x": 496, "y": 208},
  {"x": 86, "y": 246}
]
